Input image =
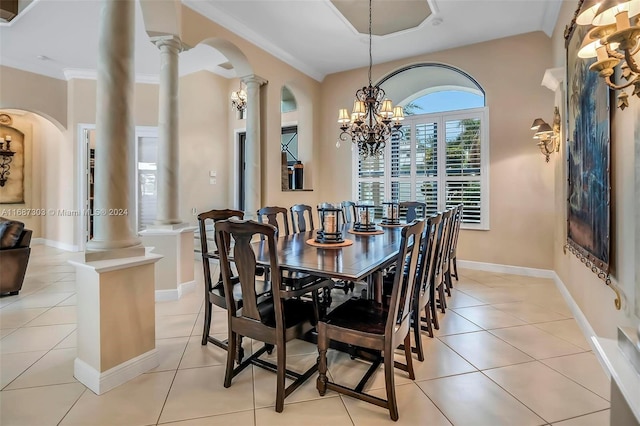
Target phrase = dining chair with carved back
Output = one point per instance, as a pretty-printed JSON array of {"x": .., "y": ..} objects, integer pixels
[
  {"x": 423, "y": 296},
  {"x": 302, "y": 221},
  {"x": 348, "y": 211},
  {"x": 453, "y": 256},
  {"x": 273, "y": 321},
  {"x": 215, "y": 293},
  {"x": 378, "y": 327},
  {"x": 413, "y": 210},
  {"x": 278, "y": 217},
  {"x": 442, "y": 263}
]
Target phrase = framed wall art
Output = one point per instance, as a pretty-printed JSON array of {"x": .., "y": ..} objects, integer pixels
[{"x": 588, "y": 157}]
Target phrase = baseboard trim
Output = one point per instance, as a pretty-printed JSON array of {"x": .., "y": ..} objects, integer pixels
[
  {"x": 580, "y": 318},
  {"x": 507, "y": 269},
  {"x": 55, "y": 244},
  {"x": 175, "y": 294},
  {"x": 100, "y": 383}
]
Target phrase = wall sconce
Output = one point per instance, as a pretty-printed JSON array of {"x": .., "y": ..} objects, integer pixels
[
  {"x": 613, "y": 41},
  {"x": 239, "y": 99},
  {"x": 6, "y": 156},
  {"x": 548, "y": 137}
]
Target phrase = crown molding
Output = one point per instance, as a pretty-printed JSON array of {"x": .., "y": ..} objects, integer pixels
[
  {"x": 211, "y": 12},
  {"x": 89, "y": 74}
]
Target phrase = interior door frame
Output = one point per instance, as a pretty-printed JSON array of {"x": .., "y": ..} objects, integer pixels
[
  {"x": 236, "y": 167},
  {"x": 82, "y": 219}
]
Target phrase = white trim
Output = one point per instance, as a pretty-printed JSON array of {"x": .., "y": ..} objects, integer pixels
[
  {"x": 56, "y": 244},
  {"x": 19, "y": 15},
  {"x": 582, "y": 321},
  {"x": 91, "y": 74},
  {"x": 103, "y": 382},
  {"x": 175, "y": 294},
  {"x": 82, "y": 222},
  {"x": 217, "y": 15},
  {"x": 507, "y": 269}
]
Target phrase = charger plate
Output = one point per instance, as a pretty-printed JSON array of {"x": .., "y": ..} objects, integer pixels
[{"x": 312, "y": 242}]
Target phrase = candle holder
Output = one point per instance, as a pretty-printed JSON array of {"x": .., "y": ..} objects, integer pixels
[
  {"x": 364, "y": 217},
  {"x": 391, "y": 214},
  {"x": 330, "y": 227}
]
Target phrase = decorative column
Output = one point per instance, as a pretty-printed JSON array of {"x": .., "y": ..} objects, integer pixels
[
  {"x": 115, "y": 278},
  {"x": 253, "y": 182},
  {"x": 112, "y": 233},
  {"x": 168, "y": 141},
  {"x": 169, "y": 236}
]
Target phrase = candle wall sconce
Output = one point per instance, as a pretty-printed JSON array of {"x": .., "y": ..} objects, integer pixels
[
  {"x": 330, "y": 226},
  {"x": 391, "y": 213},
  {"x": 364, "y": 218},
  {"x": 6, "y": 157}
]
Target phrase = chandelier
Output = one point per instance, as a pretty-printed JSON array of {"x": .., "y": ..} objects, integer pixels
[
  {"x": 239, "y": 99},
  {"x": 613, "y": 41},
  {"x": 373, "y": 119}
]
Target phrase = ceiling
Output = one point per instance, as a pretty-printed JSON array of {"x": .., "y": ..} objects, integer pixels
[{"x": 310, "y": 35}]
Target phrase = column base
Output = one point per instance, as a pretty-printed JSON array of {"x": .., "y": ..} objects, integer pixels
[
  {"x": 174, "y": 273},
  {"x": 100, "y": 383},
  {"x": 116, "y": 320},
  {"x": 95, "y": 253}
]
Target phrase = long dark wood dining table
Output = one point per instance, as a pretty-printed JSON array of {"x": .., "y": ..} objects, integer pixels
[{"x": 363, "y": 260}]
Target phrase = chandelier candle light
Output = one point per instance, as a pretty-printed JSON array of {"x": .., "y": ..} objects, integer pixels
[
  {"x": 373, "y": 119},
  {"x": 613, "y": 41}
]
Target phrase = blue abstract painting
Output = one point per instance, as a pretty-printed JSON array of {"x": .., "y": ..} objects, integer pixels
[{"x": 588, "y": 151}]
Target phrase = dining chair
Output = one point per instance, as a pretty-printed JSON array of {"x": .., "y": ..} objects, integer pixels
[
  {"x": 375, "y": 326},
  {"x": 274, "y": 321},
  {"x": 278, "y": 217},
  {"x": 214, "y": 293},
  {"x": 302, "y": 221},
  {"x": 451, "y": 225},
  {"x": 423, "y": 296},
  {"x": 454, "y": 241},
  {"x": 413, "y": 210},
  {"x": 301, "y": 218},
  {"x": 442, "y": 264},
  {"x": 348, "y": 211}
]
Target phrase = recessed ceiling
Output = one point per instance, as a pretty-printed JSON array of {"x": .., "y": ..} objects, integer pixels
[
  {"x": 387, "y": 17},
  {"x": 310, "y": 35}
]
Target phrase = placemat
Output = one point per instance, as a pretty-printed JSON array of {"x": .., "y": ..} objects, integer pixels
[
  {"x": 314, "y": 243},
  {"x": 375, "y": 232}
]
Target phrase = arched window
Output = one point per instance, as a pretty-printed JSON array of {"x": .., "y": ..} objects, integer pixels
[{"x": 443, "y": 157}]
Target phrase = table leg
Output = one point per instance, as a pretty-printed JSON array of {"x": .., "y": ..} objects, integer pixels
[{"x": 377, "y": 286}]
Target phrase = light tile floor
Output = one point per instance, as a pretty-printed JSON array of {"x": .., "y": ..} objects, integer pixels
[{"x": 508, "y": 352}]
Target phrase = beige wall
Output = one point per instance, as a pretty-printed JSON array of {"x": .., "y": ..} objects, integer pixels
[
  {"x": 521, "y": 199},
  {"x": 592, "y": 296},
  {"x": 33, "y": 92},
  {"x": 196, "y": 28},
  {"x": 204, "y": 144}
]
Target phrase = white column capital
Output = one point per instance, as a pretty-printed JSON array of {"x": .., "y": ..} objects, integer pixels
[
  {"x": 169, "y": 42},
  {"x": 253, "y": 79}
]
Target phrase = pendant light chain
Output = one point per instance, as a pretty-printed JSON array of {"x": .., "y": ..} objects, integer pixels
[{"x": 370, "y": 55}]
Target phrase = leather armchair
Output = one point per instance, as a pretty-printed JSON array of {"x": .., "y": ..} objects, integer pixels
[{"x": 13, "y": 265}]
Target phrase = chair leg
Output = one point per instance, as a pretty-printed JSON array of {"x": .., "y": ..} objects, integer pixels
[
  {"x": 448, "y": 282},
  {"x": 416, "y": 331},
  {"x": 432, "y": 307},
  {"x": 281, "y": 355},
  {"x": 455, "y": 268},
  {"x": 207, "y": 321},
  {"x": 408, "y": 357},
  {"x": 389, "y": 383},
  {"x": 441, "y": 298},
  {"x": 231, "y": 356},
  {"x": 321, "y": 382},
  {"x": 429, "y": 326}
]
